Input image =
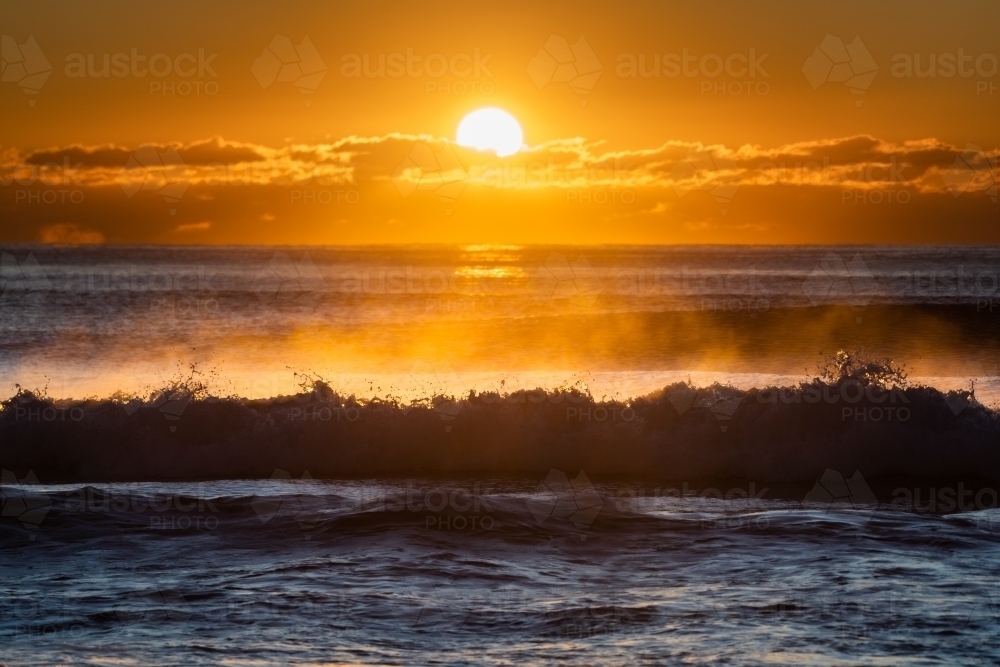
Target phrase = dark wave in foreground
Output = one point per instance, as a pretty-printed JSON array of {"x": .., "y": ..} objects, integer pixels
[
  {"x": 681, "y": 432},
  {"x": 518, "y": 511}
]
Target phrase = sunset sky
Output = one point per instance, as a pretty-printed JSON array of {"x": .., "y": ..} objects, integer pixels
[{"x": 334, "y": 123}]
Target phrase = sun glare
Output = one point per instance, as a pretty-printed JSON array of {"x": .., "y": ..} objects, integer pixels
[{"x": 490, "y": 129}]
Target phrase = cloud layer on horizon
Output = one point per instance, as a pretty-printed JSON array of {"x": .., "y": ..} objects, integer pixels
[{"x": 380, "y": 181}]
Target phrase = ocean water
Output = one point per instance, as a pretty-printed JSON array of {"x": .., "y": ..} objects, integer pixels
[
  {"x": 499, "y": 455},
  {"x": 90, "y": 321},
  {"x": 554, "y": 571}
]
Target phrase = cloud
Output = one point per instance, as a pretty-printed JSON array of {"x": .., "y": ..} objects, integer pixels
[
  {"x": 856, "y": 161},
  {"x": 243, "y": 187},
  {"x": 81, "y": 156},
  {"x": 193, "y": 227},
  {"x": 70, "y": 234},
  {"x": 850, "y": 162},
  {"x": 216, "y": 150}
]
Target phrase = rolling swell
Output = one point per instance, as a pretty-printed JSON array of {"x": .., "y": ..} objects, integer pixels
[{"x": 681, "y": 432}]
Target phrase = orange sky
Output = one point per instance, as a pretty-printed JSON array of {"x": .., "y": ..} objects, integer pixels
[{"x": 778, "y": 122}]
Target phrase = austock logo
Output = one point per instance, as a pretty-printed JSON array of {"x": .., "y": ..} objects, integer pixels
[
  {"x": 184, "y": 66},
  {"x": 835, "y": 62},
  {"x": 557, "y": 497},
  {"x": 435, "y": 382},
  {"x": 22, "y": 501},
  {"x": 712, "y": 171},
  {"x": 721, "y": 402},
  {"x": 436, "y": 608},
  {"x": 162, "y": 171},
  {"x": 559, "y": 62},
  {"x": 973, "y": 171},
  {"x": 303, "y": 507},
  {"x": 832, "y": 490},
  {"x": 559, "y": 279},
  {"x": 836, "y": 281},
  {"x": 19, "y": 279},
  {"x": 286, "y": 281},
  {"x": 25, "y": 65},
  {"x": 425, "y": 169},
  {"x": 171, "y": 403},
  {"x": 284, "y": 62}
]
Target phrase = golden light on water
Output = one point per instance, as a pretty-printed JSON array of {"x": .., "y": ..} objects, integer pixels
[
  {"x": 490, "y": 248},
  {"x": 490, "y": 272}
]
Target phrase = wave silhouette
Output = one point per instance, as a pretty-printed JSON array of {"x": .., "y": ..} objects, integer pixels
[{"x": 858, "y": 414}]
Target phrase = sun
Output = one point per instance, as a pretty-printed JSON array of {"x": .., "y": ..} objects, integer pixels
[{"x": 490, "y": 129}]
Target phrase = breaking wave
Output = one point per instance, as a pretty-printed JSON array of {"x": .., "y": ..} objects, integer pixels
[{"x": 857, "y": 414}]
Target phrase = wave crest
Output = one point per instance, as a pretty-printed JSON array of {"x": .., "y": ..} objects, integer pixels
[{"x": 859, "y": 417}]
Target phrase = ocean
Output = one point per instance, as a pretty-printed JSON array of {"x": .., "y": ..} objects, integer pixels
[
  {"x": 499, "y": 455},
  {"x": 491, "y": 572},
  {"x": 399, "y": 320}
]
